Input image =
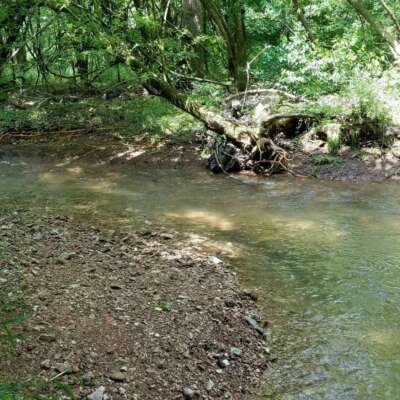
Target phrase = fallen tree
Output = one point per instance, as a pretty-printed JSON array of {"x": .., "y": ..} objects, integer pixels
[{"x": 255, "y": 142}]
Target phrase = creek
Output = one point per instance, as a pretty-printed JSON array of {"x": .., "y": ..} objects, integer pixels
[{"x": 323, "y": 256}]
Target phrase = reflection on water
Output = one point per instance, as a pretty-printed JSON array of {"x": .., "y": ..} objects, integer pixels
[{"x": 325, "y": 257}]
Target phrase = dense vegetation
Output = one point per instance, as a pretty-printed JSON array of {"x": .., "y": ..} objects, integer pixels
[
  {"x": 309, "y": 46},
  {"x": 194, "y": 52}
]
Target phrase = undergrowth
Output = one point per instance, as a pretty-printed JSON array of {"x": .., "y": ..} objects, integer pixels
[
  {"x": 150, "y": 116},
  {"x": 326, "y": 159}
]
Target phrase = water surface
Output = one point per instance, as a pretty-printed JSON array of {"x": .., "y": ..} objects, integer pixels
[{"x": 324, "y": 256}]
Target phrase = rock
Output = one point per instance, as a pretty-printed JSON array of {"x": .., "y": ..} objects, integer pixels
[
  {"x": 98, "y": 394},
  {"x": 47, "y": 338},
  {"x": 116, "y": 286},
  {"x": 254, "y": 324},
  {"x": 117, "y": 376},
  {"x": 224, "y": 158},
  {"x": 235, "y": 351},
  {"x": 223, "y": 363},
  {"x": 230, "y": 303},
  {"x": 166, "y": 236},
  {"x": 210, "y": 385},
  {"x": 87, "y": 379},
  {"x": 67, "y": 255},
  {"x": 188, "y": 393},
  {"x": 215, "y": 260},
  {"x": 396, "y": 149},
  {"x": 251, "y": 295},
  {"x": 46, "y": 364},
  {"x": 63, "y": 367},
  {"x": 42, "y": 295}
]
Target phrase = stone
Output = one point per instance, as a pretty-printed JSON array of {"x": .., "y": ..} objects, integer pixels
[
  {"x": 116, "y": 286},
  {"x": 98, "y": 394},
  {"x": 188, "y": 393},
  {"x": 230, "y": 303},
  {"x": 87, "y": 379},
  {"x": 42, "y": 295},
  {"x": 210, "y": 385},
  {"x": 223, "y": 363},
  {"x": 47, "y": 338},
  {"x": 63, "y": 367},
  {"x": 214, "y": 260},
  {"x": 117, "y": 376},
  {"x": 46, "y": 364},
  {"x": 166, "y": 236},
  {"x": 254, "y": 324},
  {"x": 224, "y": 158},
  {"x": 235, "y": 351}
]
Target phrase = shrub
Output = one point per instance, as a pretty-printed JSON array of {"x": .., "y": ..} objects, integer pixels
[{"x": 334, "y": 144}]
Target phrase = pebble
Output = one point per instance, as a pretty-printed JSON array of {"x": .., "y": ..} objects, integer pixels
[
  {"x": 87, "y": 379},
  {"x": 210, "y": 385},
  {"x": 115, "y": 286},
  {"x": 223, "y": 363},
  {"x": 118, "y": 376},
  {"x": 188, "y": 393},
  {"x": 98, "y": 394},
  {"x": 42, "y": 295},
  {"x": 63, "y": 367},
  {"x": 214, "y": 260},
  {"x": 46, "y": 364},
  {"x": 47, "y": 338},
  {"x": 235, "y": 351}
]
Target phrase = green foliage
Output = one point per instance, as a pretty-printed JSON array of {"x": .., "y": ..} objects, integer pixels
[
  {"x": 35, "y": 388},
  {"x": 152, "y": 116},
  {"x": 326, "y": 159},
  {"x": 334, "y": 143}
]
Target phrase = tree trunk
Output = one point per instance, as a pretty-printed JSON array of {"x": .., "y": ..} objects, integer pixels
[
  {"x": 193, "y": 21},
  {"x": 232, "y": 30},
  {"x": 240, "y": 134},
  {"x": 363, "y": 11}
]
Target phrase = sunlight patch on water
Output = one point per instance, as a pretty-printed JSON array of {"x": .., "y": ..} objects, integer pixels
[{"x": 209, "y": 219}]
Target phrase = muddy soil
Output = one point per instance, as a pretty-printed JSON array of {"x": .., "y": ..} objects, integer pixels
[
  {"x": 364, "y": 164},
  {"x": 129, "y": 315}
]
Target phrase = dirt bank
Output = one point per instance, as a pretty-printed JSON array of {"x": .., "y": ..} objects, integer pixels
[
  {"x": 133, "y": 315},
  {"x": 309, "y": 158}
]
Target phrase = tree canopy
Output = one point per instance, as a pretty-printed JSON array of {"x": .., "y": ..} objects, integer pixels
[{"x": 303, "y": 45}]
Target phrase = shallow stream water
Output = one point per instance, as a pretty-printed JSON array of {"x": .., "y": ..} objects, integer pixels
[{"x": 325, "y": 258}]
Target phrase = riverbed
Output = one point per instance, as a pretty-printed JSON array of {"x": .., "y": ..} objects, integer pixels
[{"x": 322, "y": 256}]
